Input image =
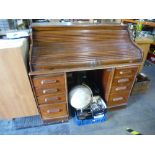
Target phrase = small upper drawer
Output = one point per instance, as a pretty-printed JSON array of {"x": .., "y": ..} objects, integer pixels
[
  {"x": 125, "y": 71},
  {"x": 52, "y": 98},
  {"x": 53, "y": 110},
  {"x": 53, "y": 90},
  {"x": 48, "y": 81}
]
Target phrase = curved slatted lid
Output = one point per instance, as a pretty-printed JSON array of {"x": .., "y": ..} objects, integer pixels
[{"x": 65, "y": 47}]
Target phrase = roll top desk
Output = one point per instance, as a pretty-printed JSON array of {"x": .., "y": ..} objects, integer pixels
[{"x": 59, "y": 49}]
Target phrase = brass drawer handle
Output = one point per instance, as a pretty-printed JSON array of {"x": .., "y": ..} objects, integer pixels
[
  {"x": 47, "y": 91},
  {"x": 125, "y": 72},
  {"x": 117, "y": 99},
  {"x": 53, "y": 110},
  {"x": 51, "y": 99},
  {"x": 48, "y": 81},
  {"x": 123, "y": 80},
  {"x": 121, "y": 88}
]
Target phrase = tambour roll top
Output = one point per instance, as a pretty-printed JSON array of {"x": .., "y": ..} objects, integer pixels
[{"x": 66, "y": 47}]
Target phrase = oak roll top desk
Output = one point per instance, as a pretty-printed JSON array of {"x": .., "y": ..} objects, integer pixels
[{"x": 59, "y": 49}]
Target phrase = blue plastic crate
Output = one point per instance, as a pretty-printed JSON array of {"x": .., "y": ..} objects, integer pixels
[{"x": 90, "y": 121}]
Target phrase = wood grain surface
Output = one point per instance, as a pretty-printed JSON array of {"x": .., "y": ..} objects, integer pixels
[
  {"x": 16, "y": 97},
  {"x": 74, "y": 46}
]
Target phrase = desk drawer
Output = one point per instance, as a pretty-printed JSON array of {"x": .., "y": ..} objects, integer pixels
[
  {"x": 52, "y": 98},
  {"x": 53, "y": 90},
  {"x": 48, "y": 81},
  {"x": 122, "y": 81},
  {"x": 125, "y": 71},
  {"x": 53, "y": 110},
  {"x": 118, "y": 99},
  {"x": 121, "y": 89}
]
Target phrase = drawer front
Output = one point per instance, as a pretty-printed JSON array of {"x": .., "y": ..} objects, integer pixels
[
  {"x": 52, "y": 98},
  {"x": 122, "y": 81},
  {"x": 121, "y": 88},
  {"x": 125, "y": 71},
  {"x": 48, "y": 81},
  {"x": 53, "y": 110},
  {"x": 52, "y": 90},
  {"x": 117, "y": 99}
]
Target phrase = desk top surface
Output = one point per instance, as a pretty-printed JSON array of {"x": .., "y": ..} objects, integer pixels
[{"x": 74, "y": 46}]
